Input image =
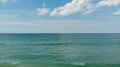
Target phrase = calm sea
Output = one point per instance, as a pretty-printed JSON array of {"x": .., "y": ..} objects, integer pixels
[{"x": 60, "y": 50}]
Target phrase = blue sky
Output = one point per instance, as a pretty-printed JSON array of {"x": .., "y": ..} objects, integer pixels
[{"x": 59, "y": 16}]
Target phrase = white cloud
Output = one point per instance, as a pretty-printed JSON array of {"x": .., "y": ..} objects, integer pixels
[
  {"x": 117, "y": 12},
  {"x": 108, "y": 3},
  {"x": 73, "y": 7},
  {"x": 42, "y": 11},
  {"x": 77, "y": 6},
  {"x": 4, "y": 1},
  {"x": 82, "y": 6}
]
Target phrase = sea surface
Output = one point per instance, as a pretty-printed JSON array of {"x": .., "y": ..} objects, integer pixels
[{"x": 60, "y": 50}]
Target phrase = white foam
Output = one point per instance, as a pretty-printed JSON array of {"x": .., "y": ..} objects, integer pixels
[
  {"x": 15, "y": 62},
  {"x": 82, "y": 63}
]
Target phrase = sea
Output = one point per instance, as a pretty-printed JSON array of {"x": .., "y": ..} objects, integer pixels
[{"x": 60, "y": 50}]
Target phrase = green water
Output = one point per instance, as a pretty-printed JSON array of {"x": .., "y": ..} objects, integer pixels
[
  {"x": 57, "y": 65},
  {"x": 59, "y": 50}
]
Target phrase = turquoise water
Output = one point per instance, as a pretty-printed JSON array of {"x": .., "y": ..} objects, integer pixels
[{"x": 59, "y": 50}]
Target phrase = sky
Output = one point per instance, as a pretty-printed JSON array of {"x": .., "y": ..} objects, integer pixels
[{"x": 59, "y": 16}]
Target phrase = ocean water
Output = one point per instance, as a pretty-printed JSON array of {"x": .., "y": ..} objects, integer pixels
[{"x": 60, "y": 50}]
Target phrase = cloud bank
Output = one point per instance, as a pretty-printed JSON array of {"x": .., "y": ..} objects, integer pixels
[
  {"x": 108, "y": 3},
  {"x": 73, "y": 7},
  {"x": 82, "y": 6}
]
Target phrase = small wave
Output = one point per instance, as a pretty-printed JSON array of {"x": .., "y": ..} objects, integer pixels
[
  {"x": 50, "y": 44},
  {"x": 81, "y": 63},
  {"x": 15, "y": 63},
  {"x": 3, "y": 44}
]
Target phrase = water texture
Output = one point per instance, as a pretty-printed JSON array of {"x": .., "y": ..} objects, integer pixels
[{"x": 60, "y": 50}]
